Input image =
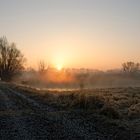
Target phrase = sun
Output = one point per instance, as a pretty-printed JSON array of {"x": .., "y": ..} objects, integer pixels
[
  {"x": 59, "y": 67},
  {"x": 59, "y": 62}
]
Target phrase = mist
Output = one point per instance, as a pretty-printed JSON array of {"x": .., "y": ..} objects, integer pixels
[{"x": 78, "y": 78}]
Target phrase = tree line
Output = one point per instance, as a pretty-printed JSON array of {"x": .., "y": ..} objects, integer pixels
[{"x": 12, "y": 61}]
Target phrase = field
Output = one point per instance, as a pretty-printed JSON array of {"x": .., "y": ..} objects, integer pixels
[
  {"x": 116, "y": 103},
  {"x": 105, "y": 114}
]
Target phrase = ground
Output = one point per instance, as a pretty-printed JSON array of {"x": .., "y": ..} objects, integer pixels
[{"x": 25, "y": 115}]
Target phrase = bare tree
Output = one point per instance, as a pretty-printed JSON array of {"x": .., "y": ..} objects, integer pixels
[
  {"x": 42, "y": 67},
  {"x": 131, "y": 67},
  {"x": 11, "y": 60}
]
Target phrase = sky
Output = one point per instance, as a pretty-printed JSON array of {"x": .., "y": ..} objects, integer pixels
[{"x": 98, "y": 34}]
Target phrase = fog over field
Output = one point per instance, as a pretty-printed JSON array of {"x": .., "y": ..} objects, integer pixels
[{"x": 79, "y": 78}]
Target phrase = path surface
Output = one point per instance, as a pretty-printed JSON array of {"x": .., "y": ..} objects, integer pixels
[{"x": 21, "y": 117}]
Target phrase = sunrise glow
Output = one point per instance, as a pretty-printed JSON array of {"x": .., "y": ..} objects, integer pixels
[
  {"x": 74, "y": 34},
  {"x": 59, "y": 67}
]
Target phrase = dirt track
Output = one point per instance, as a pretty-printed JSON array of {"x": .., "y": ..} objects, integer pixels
[{"x": 24, "y": 118}]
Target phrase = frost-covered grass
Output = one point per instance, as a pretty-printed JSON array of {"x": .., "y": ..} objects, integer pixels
[{"x": 115, "y": 103}]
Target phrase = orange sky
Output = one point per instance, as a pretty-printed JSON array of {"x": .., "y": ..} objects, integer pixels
[{"x": 87, "y": 33}]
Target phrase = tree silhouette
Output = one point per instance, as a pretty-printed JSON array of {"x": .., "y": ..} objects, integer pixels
[
  {"x": 11, "y": 60},
  {"x": 131, "y": 67},
  {"x": 42, "y": 67}
]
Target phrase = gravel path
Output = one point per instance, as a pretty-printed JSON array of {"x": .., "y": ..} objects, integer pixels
[{"x": 24, "y": 118}]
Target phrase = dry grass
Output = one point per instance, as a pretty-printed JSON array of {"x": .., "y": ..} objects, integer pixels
[
  {"x": 113, "y": 111},
  {"x": 115, "y": 103}
]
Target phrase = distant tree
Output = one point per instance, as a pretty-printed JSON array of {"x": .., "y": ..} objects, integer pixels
[
  {"x": 11, "y": 60},
  {"x": 42, "y": 67},
  {"x": 131, "y": 67}
]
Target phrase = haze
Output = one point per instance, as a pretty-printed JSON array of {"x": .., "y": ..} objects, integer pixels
[{"x": 99, "y": 34}]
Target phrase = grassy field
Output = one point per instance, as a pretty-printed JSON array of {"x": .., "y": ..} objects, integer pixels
[
  {"x": 113, "y": 110},
  {"x": 115, "y": 103}
]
